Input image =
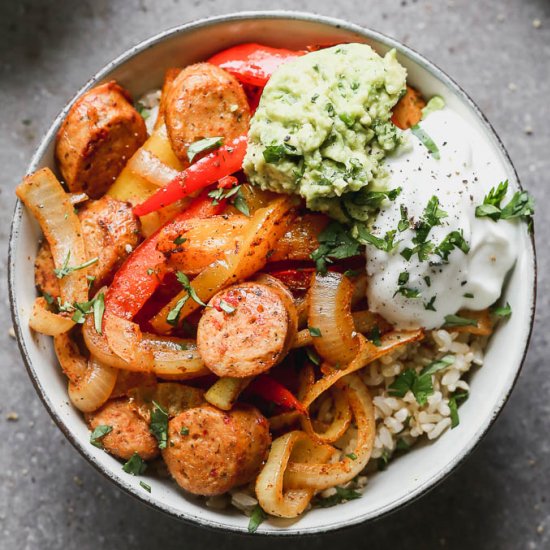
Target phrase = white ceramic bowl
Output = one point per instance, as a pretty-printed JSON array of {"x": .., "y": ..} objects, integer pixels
[{"x": 141, "y": 69}]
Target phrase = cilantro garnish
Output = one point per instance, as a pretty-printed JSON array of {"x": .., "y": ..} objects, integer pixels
[
  {"x": 158, "y": 425},
  {"x": 135, "y": 465},
  {"x": 382, "y": 462},
  {"x": 256, "y": 518},
  {"x": 174, "y": 313},
  {"x": 313, "y": 356},
  {"x": 179, "y": 240},
  {"x": 142, "y": 110},
  {"x": 374, "y": 199},
  {"x": 352, "y": 456},
  {"x": 146, "y": 486},
  {"x": 386, "y": 244},
  {"x": 235, "y": 195},
  {"x": 275, "y": 153},
  {"x": 374, "y": 336},
  {"x": 455, "y": 239},
  {"x": 454, "y": 401},
  {"x": 429, "y": 306},
  {"x": 408, "y": 292},
  {"x": 48, "y": 297},
  {"x": 426, "y": 140},
  {"x": 502, "y": 311},
  {"x": 403, "y": 278},
  {"x": 184, "y": 430},
  {"x": 335, "y": 243},
  {"x": 203, "y": 145},
  {"x": 402, "y": 445},
  {"x": 403, "y": 224},
  {"x": 65, "y": 269},
  {"x": 314, "y": 331},
  {"x": 521, "y": 205},
  {"x": 458, "y": 321},
  {"x": 98, "y": 434},
  {"x": 81, "y": 309},
  {"x": 420, "y": 384},
  {"x": 340, "y": 496}
]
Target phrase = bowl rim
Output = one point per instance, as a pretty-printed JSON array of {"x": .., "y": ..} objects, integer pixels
[{"x": 137, "y": 49}]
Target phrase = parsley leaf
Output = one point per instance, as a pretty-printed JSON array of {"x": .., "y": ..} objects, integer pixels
[
  {"x": 521, "y": 205},
  {"x": 135, "y": 465},
  {"x": 455, "y": 239},
  {"x": 183, "y": 279},
  {"x": 235, "y": 194},
  {"x": 386, "y": 244},
  {"x": 146, "y": 486},
  {"x": 65, "y": 269},
  {"x": 503, "y": 311},
  {"x": 256, "y": 518},
  {"x": 314, "y": 331},
  {"x": 426, "y": 140},
  {"x": 458, "y": 321},
  {"x": 276, "y": 153},
  {"x": 453, "y": 405},
  {"x": 98, "y": 434},
  {"x": 174, "y": 313},
  {"x": 335, "y": 242},
  {"x": 340, "y": 496},
  {"x": 158, "y": 424},
  {"x": 203, "y": 145}
]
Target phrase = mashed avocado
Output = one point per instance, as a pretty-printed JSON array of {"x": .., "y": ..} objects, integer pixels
[{"x": 323, "y": 127}]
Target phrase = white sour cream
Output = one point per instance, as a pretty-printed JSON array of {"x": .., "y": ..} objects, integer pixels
[{"x": 465, "y": 173}]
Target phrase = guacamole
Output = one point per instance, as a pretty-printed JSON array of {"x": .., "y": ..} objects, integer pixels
[{"x": 323, "y": 127}]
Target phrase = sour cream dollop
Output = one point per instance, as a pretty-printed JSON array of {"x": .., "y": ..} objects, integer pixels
[{"x": 468, "y": 168}]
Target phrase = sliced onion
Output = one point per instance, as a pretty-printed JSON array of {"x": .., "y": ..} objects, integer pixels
[
  {"x": 90, "y": 382},
  {"x": 150, "y": 167},
  {"x": 170, "y": 358},
  {"x": 363, "y": 321},
  {"x": 45, "y": 321},
  {"x": 95, "y": 387},
  {"x": 265, "y": 228},
  {"x": 269, "y": 483},
  {"x": 340, "y": 422},
  {"x": 44, "y": 196},
  {"x": 330, "y": 313},
  {"x": 225, "y": 391},
  {"x": 320, "y": 476}
]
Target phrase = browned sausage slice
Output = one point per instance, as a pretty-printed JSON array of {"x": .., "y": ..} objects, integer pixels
[
  {"x": 111, "y": 233},
  {"x": 245, "y": 331},
  {"x": 130, "y": 433},
  {"x": 211, "y": 451},
  {"x": 204, "y": 101},
  {"x": 100, "y": 133}
]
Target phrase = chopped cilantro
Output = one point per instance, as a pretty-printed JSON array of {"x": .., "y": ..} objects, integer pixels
[
  {"x": 521, "y": 205},
  {"x": 340, "y": 496},
  {"x": 352, "y": 456},
  {"x": 408, "y": 292},
  {"x": 454, "y": 401},
  {"x": 387, "y": 243},
  {"x": 135, "y": 465},
  {"x": 429, "y": 305},
  {"x": 158, "y": 424},
  {"x": 455, "y": 239},
  {"x": 256, "y": 518},
  {"x": 179, "y": 240},
  {"x": 336, "y": 243},
  {"x": 146, "y": 486},
  {"x": 503, "y": 311},
  {"x": 402, "y": 445},
  {"x": 202, "y": 145},
  {"x": 428, "y": 281},
  {"x": 48, "y": 297},
  {"x": 98, "y": 434},
  {"x": 383, "y": 461},
  {"x": 403, "y": 278},
  {"x": 184, "y": 430},
  {"x": 426, "y": 140},
  {"x": 403, "y": 224},
  {"x": 458, "y": 321},
  {"x": 183, "y": 279},
  {"x": 314, "y": 331},
  {"x": 276, "y": 153},
  {"x": 235, "y": 196},
  {"x": 468, "y": 295},
  {"x": 65, "y": 269},
  {"x": 313, "y": 356},
  {"x": 352, "y": 272},
  {"x": 374, "y": 336}
]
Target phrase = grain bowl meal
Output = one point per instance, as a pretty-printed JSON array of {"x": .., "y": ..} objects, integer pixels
[{"x": 272, "y": 276}]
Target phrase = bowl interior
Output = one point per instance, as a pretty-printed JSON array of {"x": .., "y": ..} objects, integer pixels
[{"x": 141, "y": 70}]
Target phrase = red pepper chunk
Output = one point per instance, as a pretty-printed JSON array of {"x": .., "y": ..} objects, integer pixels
[
  {"x": 253, "y": 63},
  {"x": 274, "y": 392},
  {"x": 143, "y": 271},
  {"x": 220, "y": 163}
]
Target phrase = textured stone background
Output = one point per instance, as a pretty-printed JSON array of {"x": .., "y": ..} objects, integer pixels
[{"x": 500, "y": 52}]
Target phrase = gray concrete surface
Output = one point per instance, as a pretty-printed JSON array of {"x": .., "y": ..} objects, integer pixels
[{"x": 500, "y": 52}]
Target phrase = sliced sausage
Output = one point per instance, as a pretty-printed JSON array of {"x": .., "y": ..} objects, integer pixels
[
  {"x": 100, "y": 133},
  {"x": 250, "y": 336},
  {"x": 130, "y": 433},
  {"x": 204, "y": 101},
  {"x": 217, "y": 450},
  {"x": 111, "y": 232}
]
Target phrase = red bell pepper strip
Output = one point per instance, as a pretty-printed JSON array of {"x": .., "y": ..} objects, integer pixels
[
  {"x": 227, "y": 182},
  {"x": 271, "y": 390},
  {"x": 253, "y": 63},
  {"x": 220, "y": 163},
  {"x": 142, "y": 272},
  {"x": 295, "y": 279}
]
